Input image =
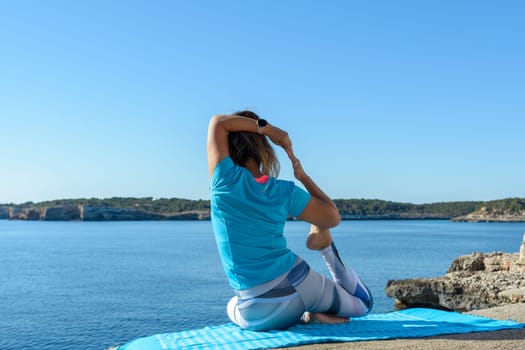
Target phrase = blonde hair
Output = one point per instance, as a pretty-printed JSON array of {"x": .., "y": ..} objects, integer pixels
[{"x": 246, "y": 145}]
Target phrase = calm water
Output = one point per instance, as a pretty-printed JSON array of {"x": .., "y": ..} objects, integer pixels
[{"x": 81, "y": 285}]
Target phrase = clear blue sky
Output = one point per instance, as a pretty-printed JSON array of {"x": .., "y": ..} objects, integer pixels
[{"x": 414, "y": 101}]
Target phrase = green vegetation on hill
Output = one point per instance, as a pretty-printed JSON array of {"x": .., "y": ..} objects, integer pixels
[
  {"x": 509, "y": 205},
  {"x": 366, "y": 207}
]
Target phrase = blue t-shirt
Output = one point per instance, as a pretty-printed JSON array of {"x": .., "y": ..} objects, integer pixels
[{"x": 248, "y": 221}]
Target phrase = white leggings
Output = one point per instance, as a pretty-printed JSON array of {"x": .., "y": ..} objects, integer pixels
[{"x": 302, "y": 290}]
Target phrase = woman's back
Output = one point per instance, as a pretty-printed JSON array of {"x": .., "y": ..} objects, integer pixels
[{"x": 248, "y": 219}]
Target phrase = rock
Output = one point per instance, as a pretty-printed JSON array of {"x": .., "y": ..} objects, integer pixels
[
  {"x": 515, "y": 295},
  {"x": 472, "y": 282},
  {"x": 396, "y": 216},
  {"x": 64, "y": 213},
  {"x": 471, "y": 263},
  {"x": 485, "y": 262},
  {"x": 415, "y": 293},
  {"x": 89, "y": 213},
  {"x": 521, "y": 259},
  {"x": 190, "y": 215},
  {"x": 501, "y": 262},
  {"x": 4, "y": 213},
  {"x": 490, "y": 215},
  {"x": 25, "y": 213}
]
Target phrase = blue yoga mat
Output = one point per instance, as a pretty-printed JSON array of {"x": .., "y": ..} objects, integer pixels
[{"x": 410, "y": 323}]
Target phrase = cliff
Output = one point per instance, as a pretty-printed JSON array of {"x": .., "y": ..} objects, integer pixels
[
  {"x": 485, "y": 214},
  {"x": 396, "y": 216},
  {"x": 189, "y": 215},
  {"x": 472, "y": 282},
  {"x": 90, "y": 213},
  {"x": 4, "y": 212}
]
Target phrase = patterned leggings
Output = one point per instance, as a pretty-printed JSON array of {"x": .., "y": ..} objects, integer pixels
[{"x": 302, "y": 290}]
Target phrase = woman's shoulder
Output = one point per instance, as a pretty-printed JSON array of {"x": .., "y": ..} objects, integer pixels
[
  {"x": 224, "y": 169},
  {"x": 282, "y": 186}
]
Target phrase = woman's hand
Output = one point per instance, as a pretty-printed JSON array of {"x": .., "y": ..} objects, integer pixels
[
  {"x": 280, "y": 138},
  {"x": 298, "y": 170}
]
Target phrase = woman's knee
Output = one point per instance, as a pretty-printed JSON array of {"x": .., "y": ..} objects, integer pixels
[
  {"x": 316, "y": 291},
  {"x": 232, "y": 311},
  {"x": 265, "y": 315}
]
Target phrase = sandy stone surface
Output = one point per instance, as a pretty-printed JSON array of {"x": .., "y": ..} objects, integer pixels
[{"x": 513, "y": 339}]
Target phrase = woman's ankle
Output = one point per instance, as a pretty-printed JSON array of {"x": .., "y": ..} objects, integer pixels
[
  {"x": 318, "y": 239},
  {"x": 322, "y": 317}
]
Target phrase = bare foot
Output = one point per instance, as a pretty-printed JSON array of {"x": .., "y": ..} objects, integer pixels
[
  {"x": 321, "y": 317},
  {"x": 318, "y": 238}
]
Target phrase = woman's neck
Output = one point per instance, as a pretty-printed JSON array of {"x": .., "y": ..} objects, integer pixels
[{"x": 253, "y": 167}]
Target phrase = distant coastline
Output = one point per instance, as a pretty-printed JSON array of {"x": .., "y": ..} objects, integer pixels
[{"x": 130, "y": 208}]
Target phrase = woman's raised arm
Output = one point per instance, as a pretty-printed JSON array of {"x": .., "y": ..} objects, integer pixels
[
  {"x": 320, "y": 210},
  {"x": 218, "y": 129},
  {"x": 221, "y": 125}
]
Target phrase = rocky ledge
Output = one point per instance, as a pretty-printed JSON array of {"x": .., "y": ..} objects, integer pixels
[
  {"x": 396, "y": 216},
  {"x": 4, "y": 213},
  {"x": 485, "y": 214},
  {"x": 90, "y": 213},
  {"x": 476, "y": 281}
]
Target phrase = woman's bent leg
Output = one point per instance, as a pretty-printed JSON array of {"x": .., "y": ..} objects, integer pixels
[
  {"x": 320, "y": 294},
  {"x": 321, "y": 240},
  {"x": 257, "y": 315},
  {"x": 305, "y": 290},
  {"x": 345, "y": 276},
  {"x": 273, "y": 310}
]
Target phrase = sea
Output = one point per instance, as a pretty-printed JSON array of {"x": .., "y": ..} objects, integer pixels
[{"x": 94, "y": 285}]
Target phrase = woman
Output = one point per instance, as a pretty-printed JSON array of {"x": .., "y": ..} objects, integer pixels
[{"x": 274, "y": 288}]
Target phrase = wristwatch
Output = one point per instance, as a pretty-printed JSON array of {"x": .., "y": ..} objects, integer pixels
[{"x": 261, "y": 124}]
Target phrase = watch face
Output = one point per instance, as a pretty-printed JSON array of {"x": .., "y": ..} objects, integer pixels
[{"x": 262, "y": 123}]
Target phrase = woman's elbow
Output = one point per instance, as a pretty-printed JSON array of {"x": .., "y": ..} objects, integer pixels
[
  {"x": 321, "y": 214},
  {"x": 335, "y": 218},
  {"x": 216, "y": 123},
  {"x": 215, "y": 119},
  {"x": 329, "y": 220}
]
